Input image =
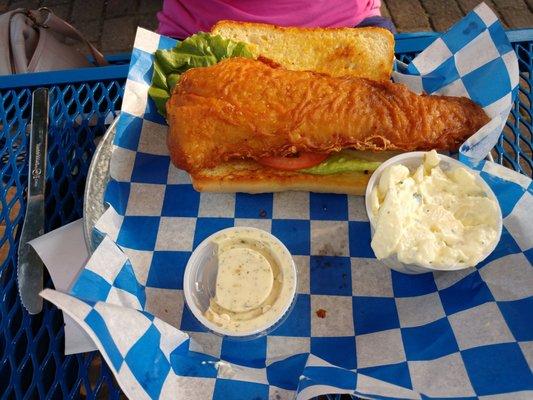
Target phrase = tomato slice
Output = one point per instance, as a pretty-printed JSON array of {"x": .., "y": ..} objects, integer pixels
[{"x": 292, "y": 163}]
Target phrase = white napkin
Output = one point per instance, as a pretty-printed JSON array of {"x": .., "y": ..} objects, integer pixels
[{"x": 64, "y": 254}]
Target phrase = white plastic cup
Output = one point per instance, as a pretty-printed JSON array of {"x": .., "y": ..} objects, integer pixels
[
  {"x": 199, "y": 284},
  {"x": 413, "y": 160}
]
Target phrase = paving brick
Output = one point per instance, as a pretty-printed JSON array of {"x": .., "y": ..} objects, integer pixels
[
  {"x": 517, "y": 20},
  {"x": 120, "y": 8},
  {"x": 408, "y": 15},
  {"x": 385, "y": 11},
  {"x": 148, "y": 21},
  {"x": 150, "y": 6},
  {"x": 61, "y": 10},
  {"x": 118, "y": 34},
  {"x": 83, "y": 10},
  {"x": 91, "y": 30},
  {"x": 515, "y": 13},
  {"x": 31, "y": 4},
  {"x": 442, "y": 14},
  {"x": 516, "y": 4},
  {"x": 468, "y": 5},
  {"x": 49, "y": 3}
]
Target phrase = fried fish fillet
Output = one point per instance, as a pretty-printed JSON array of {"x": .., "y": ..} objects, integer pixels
[{"x": 246, "y": 109}]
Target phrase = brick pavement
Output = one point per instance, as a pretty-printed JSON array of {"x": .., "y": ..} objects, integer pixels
[{"x": 111, "y": 24}]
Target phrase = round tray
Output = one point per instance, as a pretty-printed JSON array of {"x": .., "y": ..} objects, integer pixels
[{"x": 97, "y": 179}]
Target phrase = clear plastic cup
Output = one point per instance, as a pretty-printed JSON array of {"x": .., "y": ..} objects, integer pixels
[
  {"x": 199, "y": 284},
  {"x": 413, "y": 160}
]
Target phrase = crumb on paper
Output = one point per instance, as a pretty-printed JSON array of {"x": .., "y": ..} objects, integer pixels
[
  {"x": 321, "y": 313},
  {"x": 262, "y": 213},
  {"x": 328, "y": 249}
]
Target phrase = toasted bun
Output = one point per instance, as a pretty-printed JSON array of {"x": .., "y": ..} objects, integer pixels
[
  {"x": 250, "y": 177},
  {"x": 360, "y": 52}
]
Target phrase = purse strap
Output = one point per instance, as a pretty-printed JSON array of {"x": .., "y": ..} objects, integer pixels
[{"x": 46, "y": 19}]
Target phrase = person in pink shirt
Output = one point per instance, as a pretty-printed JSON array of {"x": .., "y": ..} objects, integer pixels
[{"x": 182, "y": 18}]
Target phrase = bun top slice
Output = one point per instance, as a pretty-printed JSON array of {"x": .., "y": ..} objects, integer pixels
[{"x": 358, "y": 52}]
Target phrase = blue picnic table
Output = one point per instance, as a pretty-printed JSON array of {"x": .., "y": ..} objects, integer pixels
[{"x": 83, "y": 102}]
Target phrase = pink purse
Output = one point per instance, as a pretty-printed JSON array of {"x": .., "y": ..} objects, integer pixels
[{"x": 38, "y": 40}]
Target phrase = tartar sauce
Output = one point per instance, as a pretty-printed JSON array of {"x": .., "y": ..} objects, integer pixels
[
  {"x": 432, "y": 217},
  {"x": 255, "y": 281}
]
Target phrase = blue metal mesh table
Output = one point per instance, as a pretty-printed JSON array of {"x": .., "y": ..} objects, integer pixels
[{"x": 83, "y": 103}]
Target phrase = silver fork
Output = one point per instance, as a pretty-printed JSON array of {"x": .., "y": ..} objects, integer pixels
[{"x": 30, "y": 266}]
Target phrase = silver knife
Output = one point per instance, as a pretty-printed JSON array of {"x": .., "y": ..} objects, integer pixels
[{"x": 30, "y": 266}]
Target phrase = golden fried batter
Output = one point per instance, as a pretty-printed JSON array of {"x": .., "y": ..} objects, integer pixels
[{"x": 246, "y": 109}]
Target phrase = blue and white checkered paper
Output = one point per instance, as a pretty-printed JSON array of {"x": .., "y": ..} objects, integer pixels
[
  {"x": 473, "y": 59},
  {"x": 460, "y": 334}
]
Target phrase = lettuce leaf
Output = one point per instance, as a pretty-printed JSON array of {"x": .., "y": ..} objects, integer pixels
[
  {"x": 342, "y": 162},
  {"x": 200, "y": 50}
]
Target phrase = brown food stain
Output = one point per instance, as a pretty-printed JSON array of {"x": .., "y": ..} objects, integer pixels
[{"x": 343, "y": 53}]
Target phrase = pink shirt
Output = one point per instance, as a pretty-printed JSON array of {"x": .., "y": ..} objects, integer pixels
[{"x": 182, "y": 18}]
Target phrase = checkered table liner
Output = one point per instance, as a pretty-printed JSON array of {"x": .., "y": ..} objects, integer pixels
[{"x": 462, "y": 334}]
